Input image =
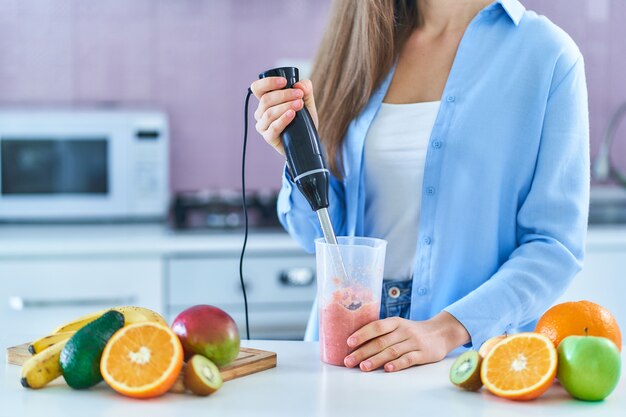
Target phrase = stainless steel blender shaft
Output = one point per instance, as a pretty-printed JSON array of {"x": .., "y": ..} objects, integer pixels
[
  {"x": 327, "y": 226},
  {"x": 331, "y": 239}
]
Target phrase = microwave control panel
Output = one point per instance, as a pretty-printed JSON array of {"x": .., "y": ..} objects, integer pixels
[{"x": 150, "y": 159}]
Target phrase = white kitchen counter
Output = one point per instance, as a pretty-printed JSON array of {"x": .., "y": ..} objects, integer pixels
[
  {"x": 302, "y": 386},
  {"x": 131, "y": 239},
  {"x": 157, "y": 239}
]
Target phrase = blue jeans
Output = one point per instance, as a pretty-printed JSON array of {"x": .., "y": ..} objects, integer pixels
[{"x": 396, "y": 299}]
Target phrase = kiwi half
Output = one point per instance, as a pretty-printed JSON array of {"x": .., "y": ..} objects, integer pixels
[
  {"x": 465, "y": 371},
  {"x": 202, "y": 377}
]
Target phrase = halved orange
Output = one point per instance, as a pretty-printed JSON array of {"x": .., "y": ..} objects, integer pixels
[
  {"x": 142, "y": 360},
  {"x": 520, "y": 367}
]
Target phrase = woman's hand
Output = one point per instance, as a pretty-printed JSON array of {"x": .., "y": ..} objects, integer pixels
[
  {"x": 278, "y": 107},
  {"x": 398, "y": 343}
]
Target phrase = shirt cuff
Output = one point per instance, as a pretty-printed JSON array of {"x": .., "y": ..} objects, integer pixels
[{"x": 484, "y": 316}]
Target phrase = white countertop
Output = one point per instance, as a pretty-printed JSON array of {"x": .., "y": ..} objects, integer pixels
[
  {"x": 132, "y": 239},
  {"x": 302, "y": 386},
  {"x": 157, "y": 239}
]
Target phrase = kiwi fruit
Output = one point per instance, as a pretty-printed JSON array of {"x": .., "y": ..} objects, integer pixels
[
  {"x": 202, "y": 377},
  {"x": 465, "y": 371}
]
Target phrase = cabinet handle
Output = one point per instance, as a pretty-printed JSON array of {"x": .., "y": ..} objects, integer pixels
[
  {"x": 297, "y": 277},
  {"x": 20, "y": 303}
]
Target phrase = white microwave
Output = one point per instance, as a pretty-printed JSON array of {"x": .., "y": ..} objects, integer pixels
[{"x": 82, "y": 165}]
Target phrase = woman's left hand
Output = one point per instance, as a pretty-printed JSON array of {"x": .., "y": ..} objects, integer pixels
[{"x": 398, "y": 343}]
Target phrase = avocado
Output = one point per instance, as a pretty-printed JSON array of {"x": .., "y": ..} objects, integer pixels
[{"x": 80, "y": 358}]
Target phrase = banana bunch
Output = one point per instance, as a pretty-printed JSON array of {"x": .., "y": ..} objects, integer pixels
[
  {"x": 131, "y": 314},
  {"x": 44, "y": 366}
]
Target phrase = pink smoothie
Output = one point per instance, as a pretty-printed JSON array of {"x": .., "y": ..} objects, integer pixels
[{"x": 347, "y": 311}]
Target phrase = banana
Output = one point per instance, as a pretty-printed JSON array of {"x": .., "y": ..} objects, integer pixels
[
  {"x": 131, "y": 314},
  {"x": 79, "y": 323},
  {"x": 43, "y": 367},
  {"x": 45, "y": 342},
  {"x": 134, "y": 315}
]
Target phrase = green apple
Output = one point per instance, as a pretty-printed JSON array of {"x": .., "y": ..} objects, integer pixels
[{"x": 589, "y": 367}]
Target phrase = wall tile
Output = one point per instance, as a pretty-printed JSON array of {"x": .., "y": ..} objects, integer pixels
[
  {"x": 114, "y": 60},
  {"x": 51, "y": 9},
  {"x": 113, "y": 9},
  {"x": 186, "y": 8},
  {"x": 8, "y": 8},
  {"x": 36, "y": 60}
]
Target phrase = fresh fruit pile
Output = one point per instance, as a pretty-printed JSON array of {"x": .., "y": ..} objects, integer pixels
[
  {"x": 136, "y": 352},
  {"x": 578, "y": 342}
]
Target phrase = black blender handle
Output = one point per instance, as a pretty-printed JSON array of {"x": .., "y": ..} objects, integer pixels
[
  {"x": 302, "y": 148},
  {"x": 292, "y": 74}
]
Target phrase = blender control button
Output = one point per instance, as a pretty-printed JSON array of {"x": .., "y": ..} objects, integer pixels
[
  {"x": 422, "y": 291},
  {"x": 394, "y": 292},
  {"x": 427, "y": 240}
]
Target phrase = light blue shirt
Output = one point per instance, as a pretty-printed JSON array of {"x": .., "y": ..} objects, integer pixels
[{"x": 506, "y": 180}]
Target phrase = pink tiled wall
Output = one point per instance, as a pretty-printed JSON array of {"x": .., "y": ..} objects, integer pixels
[{"x": 195, "y": 59}]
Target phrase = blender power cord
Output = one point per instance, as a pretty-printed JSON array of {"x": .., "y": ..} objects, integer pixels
[{"x": 245, "y": 209}]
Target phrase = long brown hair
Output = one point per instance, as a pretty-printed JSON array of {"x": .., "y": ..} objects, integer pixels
[{"x": 362, "y": 39}]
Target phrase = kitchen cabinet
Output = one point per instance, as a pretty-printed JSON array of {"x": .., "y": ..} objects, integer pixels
[
  {"x": 38, "y": 294},
  {"x": 280, "y": 288},
  {"x": 51, "y": 274}
]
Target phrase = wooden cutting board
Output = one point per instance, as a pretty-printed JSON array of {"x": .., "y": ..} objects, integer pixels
[{"x": 249, "y": 361}]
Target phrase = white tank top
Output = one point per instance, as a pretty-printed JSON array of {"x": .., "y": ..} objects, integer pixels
[{"x": 395, "y": 151}]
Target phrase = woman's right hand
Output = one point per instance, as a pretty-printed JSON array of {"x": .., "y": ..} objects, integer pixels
[{"x": 278, "y": 107}]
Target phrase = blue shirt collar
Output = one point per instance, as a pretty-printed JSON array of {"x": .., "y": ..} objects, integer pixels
[{"x": 513, "y": 8}]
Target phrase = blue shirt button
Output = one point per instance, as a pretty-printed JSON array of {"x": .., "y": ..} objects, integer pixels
[
  {"x": 451, "y": 99},
  {"x": 430, "y": 190},
  {"x": 422, "y": 291},
  {"x": 437, "y": 144},
  {"x": 427, "y": 240}
]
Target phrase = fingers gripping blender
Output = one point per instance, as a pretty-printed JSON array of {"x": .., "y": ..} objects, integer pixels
[{"x": 306, "y": 163}]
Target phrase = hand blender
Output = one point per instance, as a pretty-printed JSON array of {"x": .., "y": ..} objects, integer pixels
[{"x": 306, "y": 164}]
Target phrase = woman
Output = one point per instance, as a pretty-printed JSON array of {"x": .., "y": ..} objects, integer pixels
[{"x": 458, "y": 131}]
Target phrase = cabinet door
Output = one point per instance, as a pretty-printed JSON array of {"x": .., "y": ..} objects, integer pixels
[
  {"x": 280, "y": 290},
  {"x": 602, "y": 280},
  {"x": 37, "y": 295}
]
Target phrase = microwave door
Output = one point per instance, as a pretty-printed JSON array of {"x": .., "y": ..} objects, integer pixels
[
  {"x": 66, "y": 176},
  {"x": 55, "y": 167}
]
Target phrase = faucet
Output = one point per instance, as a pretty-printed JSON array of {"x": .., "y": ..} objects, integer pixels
[{"x": 603, "y": 168}]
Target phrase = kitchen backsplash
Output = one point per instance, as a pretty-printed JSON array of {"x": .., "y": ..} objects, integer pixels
[{"x": 195, "y": 58}]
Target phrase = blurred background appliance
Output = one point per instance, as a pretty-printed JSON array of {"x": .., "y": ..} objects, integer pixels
[
  {"x": 603, "y": 166},
  {"x": 78, "y": 165},
  {"x": 608, "y": 201},
  {"x": 223, "y": 210}
]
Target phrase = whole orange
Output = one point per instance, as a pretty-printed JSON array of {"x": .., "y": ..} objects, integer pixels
[{"x": 579, "y": 318}]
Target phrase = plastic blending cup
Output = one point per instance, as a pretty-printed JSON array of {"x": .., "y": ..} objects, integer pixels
[{"x": 346, "y": 305}]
